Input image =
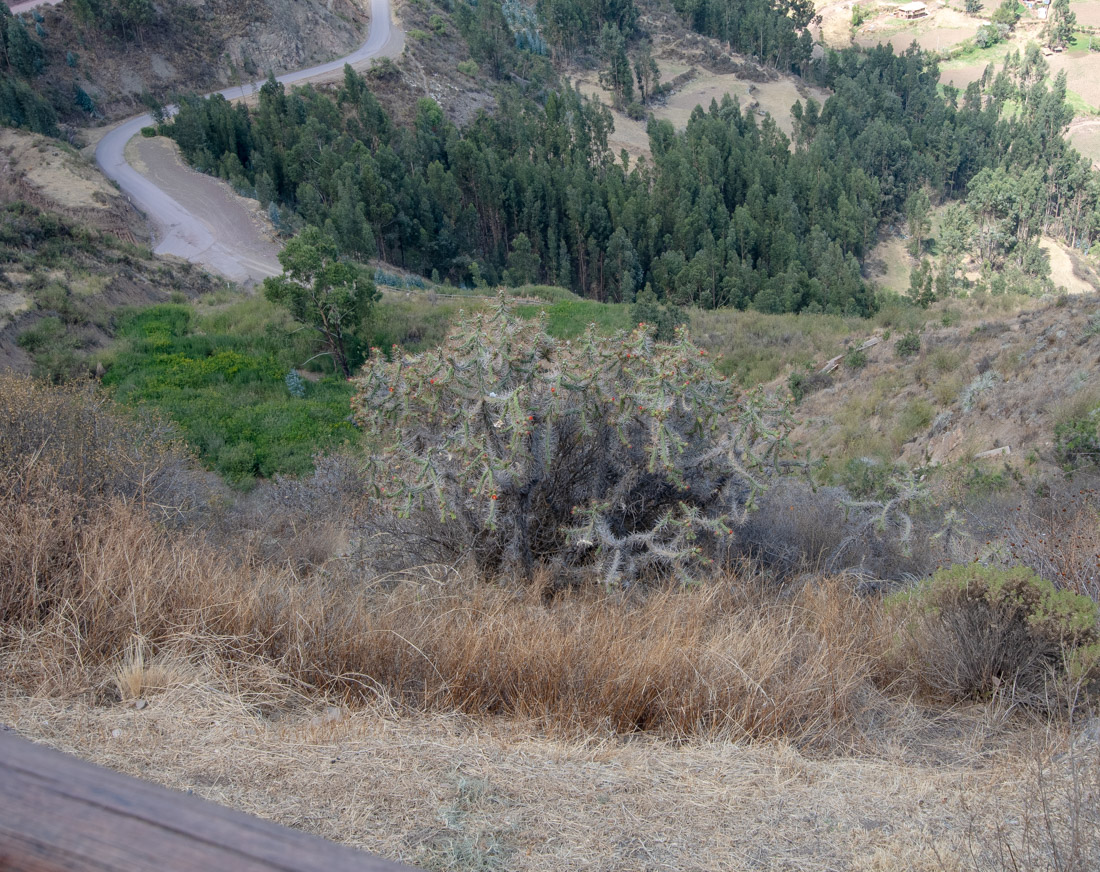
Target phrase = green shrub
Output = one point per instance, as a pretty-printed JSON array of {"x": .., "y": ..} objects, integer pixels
[
  {"x": 908, "y": 345},
  {"x": 621, "y": 455},
  {"x": 238, "y": 462},
  {"x": 1077, "y": 442},
  {"x": 802, "y": 383},
  {"x": 973, "y": 632},
  {"x": 223, "y": 381},
  {"x": 468, "y": 68},
  {"x": 855, "y": 358},
  {"x": 915, "y": 418},
  {"x": 148, "y": 132},
  {"x": 646, "y": 310}
]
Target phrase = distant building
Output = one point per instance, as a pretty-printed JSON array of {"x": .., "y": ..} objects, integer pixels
[{"x": 911, "y": 10}]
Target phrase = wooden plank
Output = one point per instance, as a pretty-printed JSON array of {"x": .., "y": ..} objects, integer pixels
[{"x": 58, "y": 812}]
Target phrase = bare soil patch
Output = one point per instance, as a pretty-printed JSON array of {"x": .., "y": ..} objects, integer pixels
[
  {"x": 12, "y": 304},
  {"x": 1069, "y": 270},
  {"x": 1082, "y": 74},
  {"x": 941, "y": 29},
  {"x": 1087, "y": 12},
  {"x": 1085, "y": 137},
  {"x": 774, "y": 97},
  {"x": 992, "y": 372},
  {"x": 231, "y": 219},
  {"x": 962, "y": 76},
  {"x": 45, "y": 173},
  {"x": 56, "y": 172},
  {"x": 888, "y": 265},
  {"x": 835, "y": 27}
]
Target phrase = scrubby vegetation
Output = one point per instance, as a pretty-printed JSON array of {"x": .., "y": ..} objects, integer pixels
[
  {"x": 1006, "y": 632},
  {"x": 222, "y": 379},
  {"x": 568, "y": 511}
]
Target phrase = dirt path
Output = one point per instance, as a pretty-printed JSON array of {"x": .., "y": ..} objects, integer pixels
[
  {"x": 199, "y": 218},
  {"x": 225, "y": 215},
  {"x": 28, "y": 5}
]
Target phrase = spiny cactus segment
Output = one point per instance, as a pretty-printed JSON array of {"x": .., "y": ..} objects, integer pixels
[{"x": 624, "y": 454}]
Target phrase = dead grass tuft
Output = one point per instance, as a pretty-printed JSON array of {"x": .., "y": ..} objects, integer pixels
[{"x": 138, "y": 674}]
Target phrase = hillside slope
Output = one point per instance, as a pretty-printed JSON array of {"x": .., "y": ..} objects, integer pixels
[
  {"x": 985, "y": 379},
  {"x": 188, "y": 45},
  {"x": 70, "y": 251}
]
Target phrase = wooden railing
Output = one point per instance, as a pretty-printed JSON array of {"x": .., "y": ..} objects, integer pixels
[{"x": 61, "y": 813}]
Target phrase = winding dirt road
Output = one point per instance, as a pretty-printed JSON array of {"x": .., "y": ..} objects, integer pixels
[{"x": 197, "y": 217}]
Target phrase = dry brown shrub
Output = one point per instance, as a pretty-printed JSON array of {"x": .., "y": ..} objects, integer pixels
[
  {"x": 77, "y": 587},
  {"x": 975, "y": 632},
  {"x": 89, "y": 448},
  {"x": 714, "y": 661},
  {"x": 1059, "y": 538}
]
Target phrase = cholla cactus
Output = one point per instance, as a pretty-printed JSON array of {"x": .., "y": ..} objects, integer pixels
[{"x": 625, "y": 454}]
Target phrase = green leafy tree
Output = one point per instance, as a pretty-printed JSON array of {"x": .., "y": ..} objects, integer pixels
[
  {"x": 1008, "y": 13},
  {"x": 617, "y": 77},
  {"x": 1061, "y": 25},
  {"x": 623, "y": 270},
  {"x": 921, "y": 289},
  {"x": 646, "y": 73},
  {"x": 24, "y": 53},
  {"x": 918, "y": 210},
  {"x": 625, "y": 456},
  {"x": 523, "y": 262},
  {"x": 648, "y": 311},
  {"x": 954, "y": 238},
  {"x": 330, "y": 295}
]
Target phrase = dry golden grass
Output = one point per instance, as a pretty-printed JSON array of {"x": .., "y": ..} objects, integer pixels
[
  {"x": 445, "y": 792},
  {"x": 79, "y": 590}
]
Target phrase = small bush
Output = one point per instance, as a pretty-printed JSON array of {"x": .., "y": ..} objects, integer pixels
[
  {"x": 92, "y": 449},
  {"x": 294, "y": 384},
  {"x": 468, "y": 68},
  {"x": 950, "y": 317},
  {"x": 1077, "y": 442},
  {"x": 976, "y": 388},
  {"x": 802, "y": 383},
  {"x": 384, "y": 70},
  {"x": 855, "y": 358},
  {"x": 148, "y": 132},
  {"x": 973, "y": 632},
  {"x": 908, "y": 345},
  {"x": 915, "y": 418}
]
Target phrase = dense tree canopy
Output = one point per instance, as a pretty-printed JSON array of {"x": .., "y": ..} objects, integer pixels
[
  {"x": 22, "y": 59},
  {"x": 725, "y": 213}
]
